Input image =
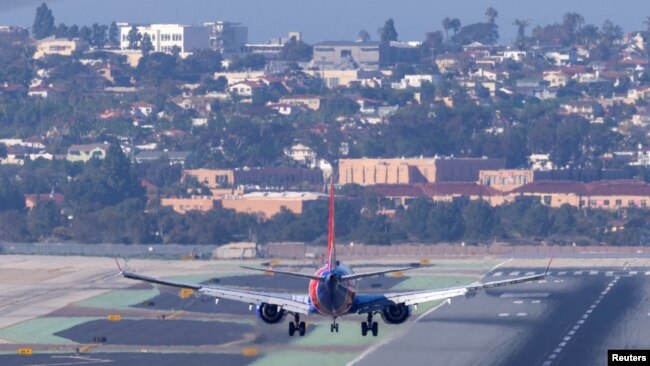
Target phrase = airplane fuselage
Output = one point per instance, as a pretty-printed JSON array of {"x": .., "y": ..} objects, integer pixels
[{"x": 329, "y": 296}]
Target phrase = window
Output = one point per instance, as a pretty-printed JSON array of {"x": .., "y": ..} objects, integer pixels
[
  {"x": 592, "y": 203},
  {"x": 346, "y": 53},
  {"x": 619, "y": 202},
  {"x": 631, "y": 203},
  {"x": 546, "y": 200},
  {"x": 643, "y": 203},
  {"x": 606, "y": 202}
]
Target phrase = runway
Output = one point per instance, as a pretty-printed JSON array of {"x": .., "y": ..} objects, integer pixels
[{"x": 571, "y": 318}]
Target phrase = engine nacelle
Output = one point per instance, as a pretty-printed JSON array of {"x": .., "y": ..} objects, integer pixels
[
  {"x": 396, "y": 314},
  {"x": 270, "y": 314}
]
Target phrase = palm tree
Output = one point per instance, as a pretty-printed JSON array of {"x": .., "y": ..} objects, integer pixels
[
  {"x": 455, "y": 25},
  {"x": 521, "y": 25},
  {"x": 446, "y": 25},
  {"x": 647, "y": 23},
  {"x": 491, "y": 14}
]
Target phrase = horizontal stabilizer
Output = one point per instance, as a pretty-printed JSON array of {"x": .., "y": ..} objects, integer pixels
[
  {"x": 286, "y": 273},
  {"x": 356, "y": 276}
]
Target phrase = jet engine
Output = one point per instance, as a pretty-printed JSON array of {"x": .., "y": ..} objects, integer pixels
[
  {"x": 396, "y": 314},
  {"x": 270, "y": 314}
]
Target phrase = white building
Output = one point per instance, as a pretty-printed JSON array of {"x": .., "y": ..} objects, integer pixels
[
  {"x": 227, "y": 37},
  {"x": 165, "y": 37}
]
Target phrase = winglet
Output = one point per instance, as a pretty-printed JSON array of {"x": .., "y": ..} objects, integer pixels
[
  {"x": 549, "y": 265},
  {"x": 118, "y": 265}
]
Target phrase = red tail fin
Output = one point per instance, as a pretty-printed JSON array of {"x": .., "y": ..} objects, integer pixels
[{"x": 331, "y": 246}]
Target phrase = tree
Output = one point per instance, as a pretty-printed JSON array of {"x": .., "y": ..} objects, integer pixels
[
  {"x": 480, "y": 220},
  {"x": 455, "y": 25},
  {"x": 43, "y": 22},
  {"x": 491, "y": 14},
  {"x": 10, "y": 197},
  {"x": 521, "y": 25},
  {"x": 363, "y": 36},
  {"x": 446, "y": 25},
  {"x": 114, "y": 35},
  {"x": 134, "y": 37},
  {"x": 61, "y": 31},
  {"x": 445, "y": 222},
  {"x": 296, "y": 51},
  {"x": 73, "y": 31},
  {"x": 610, "y": 32},
  {"x": 99, "y": 35},
  {"x": 388, "y": 33},
  {"x": 44, "y": 217},
  {"x": 86, "y": 34},
  {"x": 146, "y": 46},
  {"x": 572, "y": 23}
]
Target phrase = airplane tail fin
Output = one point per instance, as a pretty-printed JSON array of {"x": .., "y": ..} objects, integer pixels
[{"x": 331, "y": 245}]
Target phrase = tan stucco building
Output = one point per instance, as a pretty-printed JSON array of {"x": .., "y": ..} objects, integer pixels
[
  {"x": 414, "y": 170},
  {"x": 58, "y": 46}
]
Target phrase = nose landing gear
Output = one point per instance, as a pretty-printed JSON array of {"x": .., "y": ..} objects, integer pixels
[
  {"x": 334, "y": 327},
  {"x": 369, "y": 326}
]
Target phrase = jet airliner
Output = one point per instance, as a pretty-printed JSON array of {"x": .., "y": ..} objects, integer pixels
[{"x": 332, "y": 293}]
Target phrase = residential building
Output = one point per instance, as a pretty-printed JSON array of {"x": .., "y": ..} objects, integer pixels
[
  {"x": 402, "y": 195},
  {"x": 185, "y": 205},
  {"x": 350, "y": 55},
  {"x": 174, "y": 157},
  {"x": 245, "y": 89},
  {"x": 58, "y": 46},
  {"x": 302, "y": 154},
  {"x": 413, "y": 81},
  {"x": 273, "y": 177},
  {"x": 414, "y": 170},
  {"x": 505, "y": 180},
  {"x": 31, "y": 200},
  {"x": 227, "y": 37},
  {"x": 312, "y": 102},
  {"x": 83, "y": 153},
  {"x": 587, "y": 109},
  {"x": 166, "y": 37}
]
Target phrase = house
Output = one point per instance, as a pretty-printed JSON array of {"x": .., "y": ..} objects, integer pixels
[
  {"x": 452, "y": 62},
  {"x": 42, "y": 91},
  {"x": 302, "y": 154},
  {"x": 58, "y": 46},
  {"x": 31, "y": 200},
  {"x": 639, "y": 93},
  {"x": 367, "y": 106},
  {"x": 142, "y": 108},
  {"x": 413, "y": 81},
  {"x": 83, "y": 153},
  {"x": 245, "y": 89},
  {"x": 312, "y": 102},
  {"x": 174, "y": 157},
  {"x": 556, "y": 79},
  {"x": 562, "y": 57},
  {"x": 587, "y": 109}
]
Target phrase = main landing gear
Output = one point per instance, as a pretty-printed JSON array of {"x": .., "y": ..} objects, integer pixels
[
  {"x": 369, "y": 326},
  {"x": 334, "y": 327},
  {"x": 297, "y": 325}
]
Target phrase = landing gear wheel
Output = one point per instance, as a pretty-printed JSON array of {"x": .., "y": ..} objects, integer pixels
[
  {"x": 334, "y": 328},
  {"x": 292, "y": 329},
  {"x": 375, "y": 329},
  {"x": 302, "y": 327},
  {"x": 364, "y": 329}
]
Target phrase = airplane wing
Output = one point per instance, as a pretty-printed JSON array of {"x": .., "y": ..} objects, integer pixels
[
  {"x": 371, "y": 303},
  {"x": 288, "y": 302}
]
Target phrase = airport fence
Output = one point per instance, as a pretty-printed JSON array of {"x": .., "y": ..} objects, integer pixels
[{"x": 172, "y": 251}]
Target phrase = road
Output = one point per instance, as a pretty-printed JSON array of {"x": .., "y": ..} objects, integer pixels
[{"x": 571, "y": 318}]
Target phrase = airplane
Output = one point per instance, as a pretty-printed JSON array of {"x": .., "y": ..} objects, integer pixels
[{"x": 332, "y": 293}]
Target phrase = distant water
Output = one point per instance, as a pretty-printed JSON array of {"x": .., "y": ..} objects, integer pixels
[{"x": 329, "y": 20}]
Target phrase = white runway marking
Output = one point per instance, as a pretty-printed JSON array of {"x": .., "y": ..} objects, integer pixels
[
  {"x": 518, "y": 302},
  {"x": 514, "y": 273},
  {"x": 647, "y": 273},
  {"x": 522, "y": 314},
  {"x": 609, "y": 273},
  {"x": 577, "y": 272},
  {"x": 561, "y": 273},
  {"x": 497, "y": 274},
  {"x": 530, "y": 273},
  {"x": 504, "y": 314},
  {"x": 535, "y": 302},
  {"x": 633, "y": 273},
  {"x": 593, "y": 272}
]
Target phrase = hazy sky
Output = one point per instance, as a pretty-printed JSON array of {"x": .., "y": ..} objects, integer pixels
[{"x": 329, "y": 20}]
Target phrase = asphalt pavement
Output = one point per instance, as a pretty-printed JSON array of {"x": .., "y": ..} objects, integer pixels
[{"x": 571, "y": 318}]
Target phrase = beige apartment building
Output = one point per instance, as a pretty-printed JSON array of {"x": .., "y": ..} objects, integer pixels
[
  {"x": 414, "y": 170},
  {"x": 185, "y": 205},
  {"x": 58, "y": 46},
  {"x": 277, "y": 177},
  {"x": 505, "y": 180}
]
